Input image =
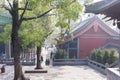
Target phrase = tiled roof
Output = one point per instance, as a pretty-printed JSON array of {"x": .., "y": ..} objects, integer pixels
[
  {"x": 107, "y": 7},
  {"x": 101, "y": 6},
  {"x": 82, "y": 25},
  {"x": 112, "y": 45}
]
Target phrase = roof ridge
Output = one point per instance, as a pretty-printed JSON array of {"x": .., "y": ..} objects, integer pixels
[
  {"x": 79, "y": 23},
  {"x": 106, "y": 26}
]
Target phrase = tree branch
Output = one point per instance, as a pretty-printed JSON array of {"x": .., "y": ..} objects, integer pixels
[
  {"x": 9, "y": 4},
  {"x": 24, "y": 9},
  {"x": 43, "y": 14},
  {"x": 6, "y": 8},
  {"x": 23, "y": 12},
  {"x": 31, "y": 18},
  {"x": 49, "y": 34}
]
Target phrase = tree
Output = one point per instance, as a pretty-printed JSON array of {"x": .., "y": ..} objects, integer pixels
[
  {"x": 106, "y": 57},
  {"x": 20, "y": 11},
  {"x": 45, "y": 33},
  {"x": 112, "y": 56},
  {"x": 36, "y": 35},
  {"x": 99, "y": 57}
]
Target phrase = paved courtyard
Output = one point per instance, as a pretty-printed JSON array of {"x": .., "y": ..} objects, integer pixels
[{"x": 60, "y": 73}]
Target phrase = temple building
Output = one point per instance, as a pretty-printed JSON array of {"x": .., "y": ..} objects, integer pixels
[{"x": 89, "y": 34}]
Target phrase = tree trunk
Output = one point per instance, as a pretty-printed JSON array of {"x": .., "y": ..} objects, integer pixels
[
  {"x": 39, "y": 61},
  {"x": 18, "y": 74}
]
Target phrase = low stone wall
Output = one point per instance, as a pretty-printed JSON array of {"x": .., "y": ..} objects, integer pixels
[
  {"x": 69, "y": 62},
  {"x": 113, "y": 74},
  {"x": 10, "y": 62},
  {"x": 98, "y": 66}
]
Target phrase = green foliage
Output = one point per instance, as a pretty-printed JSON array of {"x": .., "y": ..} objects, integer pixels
[
  {"x": 2, "y": 9},
  {"x": 5, "y": 35},
  {"x": 63, "y": 11},
  {"x": 62, "y": 24},
  {"x": 93, "y": 55},
  {"x": 104, "y": 56},
  {"x": 35, "y": 32},
  {"x": 113, "y": 57},
  {"x": 99, "y": 57},
  {"x": 67, "y": 9},
  {"x": 60, "y": 54}
]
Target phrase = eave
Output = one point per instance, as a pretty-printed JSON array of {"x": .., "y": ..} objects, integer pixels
[{"x": 108, "y": 7}]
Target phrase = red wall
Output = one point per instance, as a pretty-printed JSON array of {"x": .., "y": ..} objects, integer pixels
[
  {"x": 91, "y": 40},
  {"x": 88, "y": 44}
]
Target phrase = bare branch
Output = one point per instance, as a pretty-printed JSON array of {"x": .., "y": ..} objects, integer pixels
[
  {"x": 24, "y": 9},
  {"x": 43, "y": 14},
  {"x": 23, "y": 12},
  {"x": 6, "y": 8},
  {"x": 9, "y": 4},
  {"x": 49, "y": 34}
]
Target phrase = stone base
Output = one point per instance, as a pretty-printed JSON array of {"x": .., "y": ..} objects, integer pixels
[
  {"x": 36, "y": 71},
  {"x": 113, "y": 74}
]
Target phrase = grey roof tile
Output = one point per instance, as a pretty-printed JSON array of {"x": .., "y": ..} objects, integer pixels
[{"x": 82, "y": 25}]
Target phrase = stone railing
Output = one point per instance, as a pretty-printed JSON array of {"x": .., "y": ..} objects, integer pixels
[
  {"x": 70, "y": 62},
  {"x": 113, "y": 73},
  {"x": 115, "y": 64},
  {"x": 24, "y": 62},
  {"x": 100, "y": 67}
]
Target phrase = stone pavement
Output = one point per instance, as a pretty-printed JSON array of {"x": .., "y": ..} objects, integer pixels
[
  {"x": 68, "y": 73},
  {"x": 8, "y": 73},
  {"x": 60, "y": 73}
]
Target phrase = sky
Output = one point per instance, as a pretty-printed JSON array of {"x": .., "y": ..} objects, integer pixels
[{"x": 96, "y": 0}]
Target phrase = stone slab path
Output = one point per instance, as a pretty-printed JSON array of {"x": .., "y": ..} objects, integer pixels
[
  {"x": 58, "y": 73},
  {"x": 67, "y": 73}
]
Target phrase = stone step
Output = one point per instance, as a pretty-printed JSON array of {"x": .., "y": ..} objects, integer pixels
[{"x": 36, "y": 71}]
